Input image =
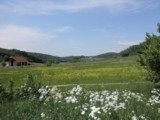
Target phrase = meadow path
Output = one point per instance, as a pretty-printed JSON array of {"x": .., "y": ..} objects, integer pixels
[{"x": 100, "y": 84}]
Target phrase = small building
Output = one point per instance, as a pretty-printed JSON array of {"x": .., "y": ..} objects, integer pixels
[{"x": 16, "y": 61}]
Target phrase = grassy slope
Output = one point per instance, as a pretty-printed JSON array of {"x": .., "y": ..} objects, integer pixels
[
  {"x": 104, "y": 71},
  {"x": 111, "y": 70},
  {"x": 108, "y": 55}
]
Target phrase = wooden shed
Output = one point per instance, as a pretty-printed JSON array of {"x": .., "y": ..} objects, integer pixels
[{"x": 16, "y": 61}]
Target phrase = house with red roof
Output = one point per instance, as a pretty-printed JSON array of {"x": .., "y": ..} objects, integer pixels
[{"x": 16, "y": 61}]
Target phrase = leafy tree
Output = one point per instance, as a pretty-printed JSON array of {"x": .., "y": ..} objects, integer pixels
[
  {"x": 150, "y": 56},
  {"x": 132, "y": 50},
  {"x": 125, "y": 54}
]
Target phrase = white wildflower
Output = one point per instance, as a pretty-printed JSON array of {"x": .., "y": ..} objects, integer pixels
[
  {"x": 29, "y": 88},
  {"x": 133, "y": 111},
  {"x": 154, "y": 99},
  {"x": 94, "y": 111},
  {"x": 82, "y": 112},
  {"x": 134, "y": 118},
  {"x": 109, "y": 113},
  {"x": 71, "y": 99},
  {"x": 41, "y": 97},
  {"x": 142, "y": 117},
  {"x": 42, "y": 115},
  {"x": 76, "y": 90},
  {"x": 121, "y": 105}
]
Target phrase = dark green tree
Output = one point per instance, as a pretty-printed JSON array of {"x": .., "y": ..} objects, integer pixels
[
  {"x": 3, "y": 64},
  {"x": 150, "y": 56}
]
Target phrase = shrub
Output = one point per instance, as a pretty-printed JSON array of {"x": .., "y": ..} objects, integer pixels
[
  {"x": 125, "y": 54},
  {"x": 7, "y": 94},
  {"x": 2, "y": 93},
  {"x": 30, "y": 88},
  {"x": 3, "y": 64},
  {"x": 150, "y": 56},
  {"x": 11, "y": 91},
  {"x": 49, "y": 63}
]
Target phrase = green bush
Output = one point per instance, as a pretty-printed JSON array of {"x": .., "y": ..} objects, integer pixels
[
  {"x": 49, "y": 63},
  {"x": 150, "y": 56},
  {"x": 125, "y": 54},
  {"x": 28, "y": 90},
  {"x": 7, "y": 94},
  {"x": 3, "y": 64}
]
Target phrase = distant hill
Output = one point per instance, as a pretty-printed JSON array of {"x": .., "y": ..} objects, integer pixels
[
  {"x": 31, "y": 57},
  {"x": 132, "y": 50},
  {"x": 43, "y": 58},
  {"x": 37, "y": 57},
  {"x": 73, "y": 58},
  {"x": 108, "y": 55}
]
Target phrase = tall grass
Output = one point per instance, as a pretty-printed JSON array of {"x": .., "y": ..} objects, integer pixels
[
  {"x": 136, "y": 100},
  {"x": 79, "y": 73},
  {"x": 81, "y": 104}
]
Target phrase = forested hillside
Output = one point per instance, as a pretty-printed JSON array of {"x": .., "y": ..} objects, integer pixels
[
  {"x": 37, "y": 57},
  {"x": 43, "y": 58},
  {"x": 31, "y": 57},
  {"x": 108, "y": 55},
  {"x": 132, "y": 50}
]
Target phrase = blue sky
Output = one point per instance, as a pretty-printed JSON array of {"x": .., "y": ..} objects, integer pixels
[{"x": 76, "y": 27}]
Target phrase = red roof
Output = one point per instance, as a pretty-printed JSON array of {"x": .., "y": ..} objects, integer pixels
[{"x": 19, "y": 59}]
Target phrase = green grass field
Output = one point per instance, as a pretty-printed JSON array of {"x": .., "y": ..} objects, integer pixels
[
  {"x": 95, "y": 99},
  {"x": 105, "y": 71}
]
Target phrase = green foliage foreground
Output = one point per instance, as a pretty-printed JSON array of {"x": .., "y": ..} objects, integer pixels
[
  {"x": 35, "y": 102},
  {"x": 26, "y": 99},
  {"x": 150, "y": 56}
]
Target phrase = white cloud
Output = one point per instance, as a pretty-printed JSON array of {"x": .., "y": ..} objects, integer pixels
[
  {"x": 128, "y": 43},
  {"x": 49, "y": 6},
  {"x": 12, "y": 35},
  {"x": 64, "y": 29}
]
